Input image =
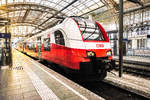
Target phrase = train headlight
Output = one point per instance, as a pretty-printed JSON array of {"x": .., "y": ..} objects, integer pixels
[
  {"x": 90, "y": 54},
  {"x": 109, "y": 53}
]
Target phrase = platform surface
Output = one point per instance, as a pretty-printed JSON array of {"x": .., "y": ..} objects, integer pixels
[
  {"x": 131, "y": 83},
  {"x": 15, "y": 84},
  {"x": 30, "y": 80}
]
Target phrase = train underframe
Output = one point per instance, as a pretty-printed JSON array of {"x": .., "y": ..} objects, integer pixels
[{"x": 97, "y": 68}]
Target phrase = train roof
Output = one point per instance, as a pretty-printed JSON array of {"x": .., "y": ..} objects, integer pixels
[{"x": 61, "y": 23}]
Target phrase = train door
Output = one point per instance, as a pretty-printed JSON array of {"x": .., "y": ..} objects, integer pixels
[
  {"x": 39, "y": 47},
  {"x": 60, "y": 49},
  {"x": 46, "y": 54},
  {"x": 24, "y": 47}
]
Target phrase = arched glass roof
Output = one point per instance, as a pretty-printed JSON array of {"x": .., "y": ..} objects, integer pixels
[
  {"x": 31, "y": 16},
  {"x": 40, "y": 14}
]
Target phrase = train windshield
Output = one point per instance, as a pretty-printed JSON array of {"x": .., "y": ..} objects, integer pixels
[{"x": 89, "y": 29}]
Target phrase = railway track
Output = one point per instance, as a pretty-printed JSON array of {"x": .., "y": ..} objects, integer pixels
[
  {"x": 135, "y": 67},
  {"x": 110, "y": 92}
]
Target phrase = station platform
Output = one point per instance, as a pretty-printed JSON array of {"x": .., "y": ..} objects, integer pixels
[
  {"x": 27, "y": 79},
  {"x": 135, "y": 84}
]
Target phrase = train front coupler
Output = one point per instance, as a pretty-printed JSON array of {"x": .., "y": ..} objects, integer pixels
[{"x": 108, "y": 64}]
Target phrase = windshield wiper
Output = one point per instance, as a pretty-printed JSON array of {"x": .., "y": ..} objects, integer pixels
[
  {"x": 91, "y": 34},
  {"x": 84, "y": 28}
]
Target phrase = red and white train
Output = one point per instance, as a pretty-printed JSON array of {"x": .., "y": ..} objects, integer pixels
[{"x": 79, "y": 45}]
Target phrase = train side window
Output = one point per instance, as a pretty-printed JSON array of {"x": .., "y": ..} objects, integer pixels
[
  {"x": 59, "y": 38},
  {"x": 47, "y": 44},
  {"x": 29, "y": 46}
]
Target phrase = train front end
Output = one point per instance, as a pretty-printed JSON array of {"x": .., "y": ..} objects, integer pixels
[{"x": 98, "y": 56}]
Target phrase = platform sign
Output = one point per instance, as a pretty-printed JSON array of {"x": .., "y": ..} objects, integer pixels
[
  {"x": 5, "y": 35},
  {"x": 125, "y": 40}
]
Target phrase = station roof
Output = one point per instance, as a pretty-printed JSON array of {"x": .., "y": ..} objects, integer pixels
[{"x": 31, "y": 16}]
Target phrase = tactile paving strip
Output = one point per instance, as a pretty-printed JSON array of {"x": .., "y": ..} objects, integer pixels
[{"x": 41, "y": 87}]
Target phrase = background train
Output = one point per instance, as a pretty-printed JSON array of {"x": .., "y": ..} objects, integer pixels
[{"x": 78, "y": 45}]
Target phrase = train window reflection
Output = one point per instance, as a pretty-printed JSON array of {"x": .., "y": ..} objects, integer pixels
[
  {"x": 59, "y": 39},
  {"x": 29, "y": 46},
  {"x": 89, "y": 29},
  {"x": 47, "y": 44}
]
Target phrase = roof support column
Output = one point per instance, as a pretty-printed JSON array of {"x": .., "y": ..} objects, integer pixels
[{"x": 121, "y": 39}]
